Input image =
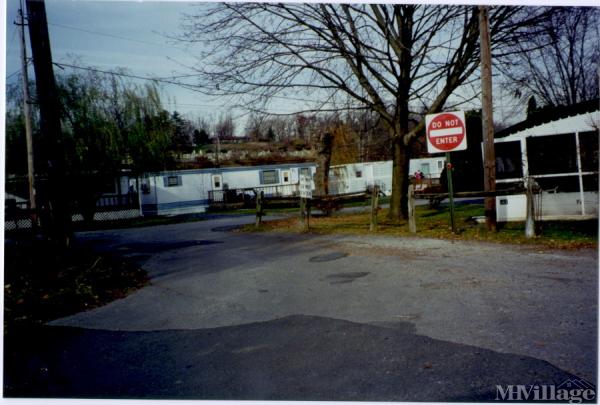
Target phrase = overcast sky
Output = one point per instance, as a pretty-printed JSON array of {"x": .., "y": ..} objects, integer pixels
[
  {"x": 108, "y": 35},
  {"x": 130, "y": 34}
]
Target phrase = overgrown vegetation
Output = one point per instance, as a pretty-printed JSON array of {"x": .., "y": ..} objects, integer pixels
[
  {"x": 52, "y": 283},
  {"x": 435, "y": 223}
]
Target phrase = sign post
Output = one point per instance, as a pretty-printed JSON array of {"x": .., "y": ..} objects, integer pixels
[
  {"x": 450, "y": 191},
  {"x": 446, "y": 132},
  {"x": 305, "y": 188}
]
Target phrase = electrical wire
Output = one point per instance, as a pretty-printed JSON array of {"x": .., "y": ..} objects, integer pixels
[
  {"x": 103, "y": 34},
  {"x": 164, "y": 80},
  {"x": 13, "y": 73}
]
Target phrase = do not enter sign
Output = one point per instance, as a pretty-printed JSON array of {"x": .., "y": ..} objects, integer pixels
[{"x": 446, "y": 132}]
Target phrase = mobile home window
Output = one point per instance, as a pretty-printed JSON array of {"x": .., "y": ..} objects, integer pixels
[
  {"x": 173, "y": 181},
  {"x": 305, "y": 171},
  {"x": 269, "y": 177},
  {"x": 552, "y": 154},
  {"x": 590, "y": 182},
  {"x": 563, "y": 184},
  {"x": 588, "y": 145},
  {"x": 358, "y": 174},
  {"x": 508, "y": 160},
  {"x": 286, "y": 177}
]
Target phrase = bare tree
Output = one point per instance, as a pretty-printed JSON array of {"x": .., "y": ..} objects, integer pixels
[
  {"x": 379, "y": 58},
  {"x": 203, "y": 123},
  {"x": 224, "y": 127},
  {"x": 559, "y": 65},
  {"x": 255, "y": 126}
]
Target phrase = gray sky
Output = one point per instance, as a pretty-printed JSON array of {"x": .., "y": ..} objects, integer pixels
[
  {"x": 107, "y": 35},
  {"x": 132, "y": 34}
]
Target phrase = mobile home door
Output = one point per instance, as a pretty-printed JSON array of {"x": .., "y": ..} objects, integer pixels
[{"x": 217, "y": 182}]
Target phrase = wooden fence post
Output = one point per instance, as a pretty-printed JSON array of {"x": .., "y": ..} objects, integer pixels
[
  {"x": 529, "y": 213},
  {"x": 307, "y": 224},
  {"x": 412, "y": 223},
  {"x": 259, "y": 208},
  {"x": 374, "y": 208},
  {"x": 303, "y": 212}
]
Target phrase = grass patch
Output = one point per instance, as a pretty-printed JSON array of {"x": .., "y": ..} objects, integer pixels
[
  {"x": 44, "y": 283},
  {"x": 435, "y": 223}
]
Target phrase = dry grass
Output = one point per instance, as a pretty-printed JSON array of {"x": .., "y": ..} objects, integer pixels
[{"x": 435, "y": 223}]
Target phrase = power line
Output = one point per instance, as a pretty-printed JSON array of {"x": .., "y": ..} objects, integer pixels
[
  {"x": 187, "y": 104},
  {"x": 103, "y": 34},
  {"x": 13, "y": 73},
  {"x": 165, "y": 80},
  {"x": 132, "y": 76},
  {"x": 169, "y": 80}
]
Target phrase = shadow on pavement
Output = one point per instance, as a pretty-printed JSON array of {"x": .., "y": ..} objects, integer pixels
[{"x": 292, "y": 358}]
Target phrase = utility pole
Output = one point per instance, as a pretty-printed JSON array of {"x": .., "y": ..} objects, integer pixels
[
  {"x": 58, "y": 220},
  {"x": 487, "y": 119},
  {"x": 218, "y": 147},
  {"x": 27, "y": 121}
]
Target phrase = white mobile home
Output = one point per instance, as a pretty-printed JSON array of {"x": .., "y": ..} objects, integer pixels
[
  {"x": 562, "y": 157},
  {"x": 431, "y": 167},
  {"x": 191, "y": 191},
  {"x": 357, "y": 177}
]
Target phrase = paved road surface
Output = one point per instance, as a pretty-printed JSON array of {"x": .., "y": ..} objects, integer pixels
[{"x": 305, "y": 317}]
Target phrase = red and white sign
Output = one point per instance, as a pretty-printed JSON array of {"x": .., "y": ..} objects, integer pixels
[{"x": 446, "y": 132}]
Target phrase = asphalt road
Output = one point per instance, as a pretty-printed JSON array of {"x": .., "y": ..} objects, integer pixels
[{"x": 302, "y": 317}]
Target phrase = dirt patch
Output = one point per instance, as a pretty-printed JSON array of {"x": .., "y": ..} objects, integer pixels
[{"x": 366, "y": 249}]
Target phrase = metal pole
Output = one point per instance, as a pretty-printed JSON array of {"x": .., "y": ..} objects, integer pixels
[
  {"x": 27, "y": 120},
  {"x": 450, "y": 191}
]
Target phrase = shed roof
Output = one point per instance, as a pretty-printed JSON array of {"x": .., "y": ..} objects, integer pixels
[
  {"x": 578, "y": 123},
  {"x": 550, "y": 114}
]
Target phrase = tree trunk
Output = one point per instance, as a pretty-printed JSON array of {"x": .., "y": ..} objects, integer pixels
[
  {"x": 399, "y": 202},
  {"x": 323, "y": 163}
]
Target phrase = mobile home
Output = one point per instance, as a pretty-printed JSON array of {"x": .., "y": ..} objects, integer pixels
[
  {"x": 431, "y": 167},
  {"x": 191, "y": 191},
  {"x": 561, "y": 156},
  {"x": 357, "y": 177}
]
